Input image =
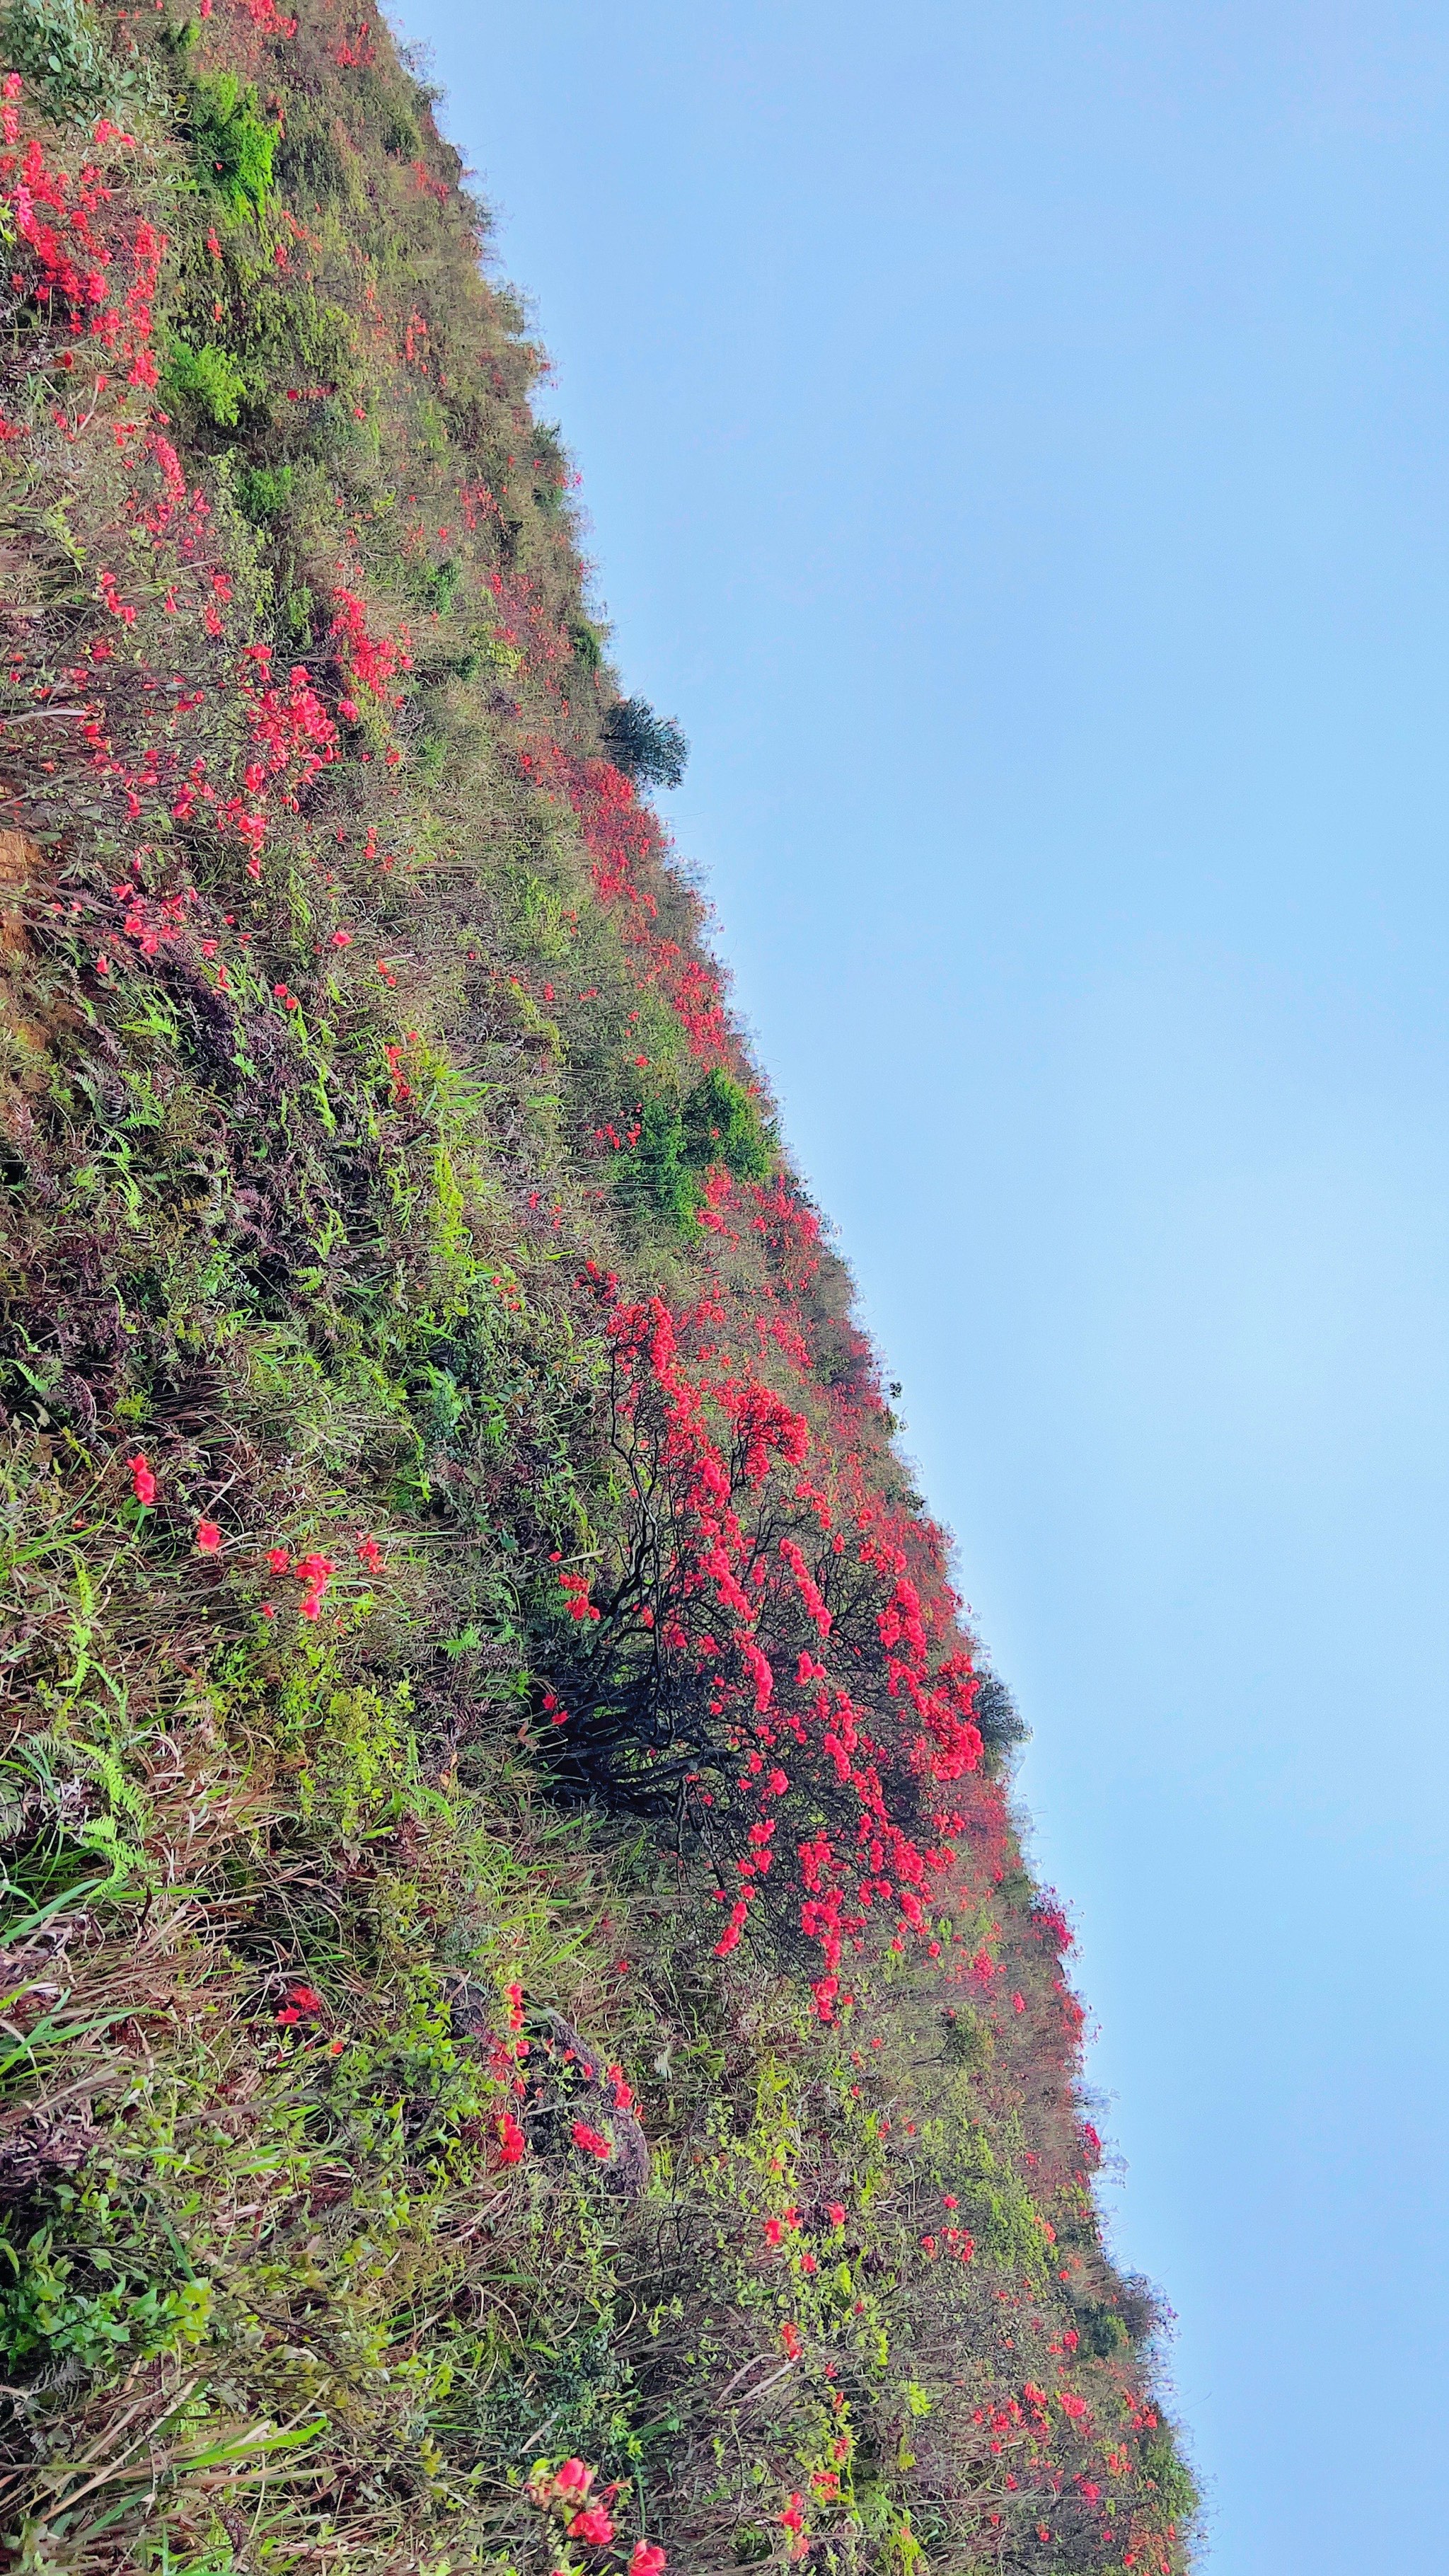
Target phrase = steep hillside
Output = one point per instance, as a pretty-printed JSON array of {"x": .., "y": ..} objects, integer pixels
[{"x": 529, "y": 2044}]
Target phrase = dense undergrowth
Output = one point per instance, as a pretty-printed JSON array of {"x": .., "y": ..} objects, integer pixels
[{"x": 528, "y": 2042}]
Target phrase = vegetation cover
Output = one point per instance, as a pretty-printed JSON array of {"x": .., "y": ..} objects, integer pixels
[{"x": 528, "y": 2041}]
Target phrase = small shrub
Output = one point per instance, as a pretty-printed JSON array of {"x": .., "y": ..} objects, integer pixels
[
  {"x": 662, "y": 1165},
  {"x": 997, "y": 1715},
  {"x": 645, "y": 745},
  {"x": 59, "y": 47},
  {"x": 970, "y": 2039},
  {"x": 550, "y": 467},
  {"x": 1102, "y": 2330},
  {"x": 587, "y": 643},
  {"x": 231, "y": 147},
  {"x": 309, "y": 164},
  {"x": 718, "y": 1122},
  {"x": 723, "y": 1125},
  {"x": 263, "y": 491},
  {"x": 1171, "y": 2478},
  {"x": 208, "y": 378}
]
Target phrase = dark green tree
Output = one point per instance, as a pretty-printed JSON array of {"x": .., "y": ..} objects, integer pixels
[{"x": 645, "y": 745}]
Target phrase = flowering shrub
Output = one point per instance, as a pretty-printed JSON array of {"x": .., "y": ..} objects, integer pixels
[{"x": 786, "y": 1707}]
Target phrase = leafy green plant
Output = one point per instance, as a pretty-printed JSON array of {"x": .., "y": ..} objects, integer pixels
[
  {"x": 722, "y": 1124},
  {"x": 263, "y": 491},
  {"x": 83, "y": 2310},
  {"x": 60, "y": 47},
  {"x": 717, "y": 1122},
  {"x": 587, "y": 642},
  {"x": 440, "y": 585},
  {"x": 232, "y": 148},
  {"x": 209, "y": 379}
]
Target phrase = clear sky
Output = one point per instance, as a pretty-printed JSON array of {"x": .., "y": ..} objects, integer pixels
[{"x": 1015, "y": 444}]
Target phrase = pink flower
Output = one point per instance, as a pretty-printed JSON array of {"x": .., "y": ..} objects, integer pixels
[
  {"x": 142, "y": 1479},
  {"x": 575, "y": 2477},
  {"x": 278, "y": 1559},
  {"x": 590, "y": 2140},
  {"x": 511, "y": 2140},
  {"x": 208, "y": 1537},
  {"x": 835, "y": 2212},
  {"x": 647, "y": 2560},
  {"x": 592, "y": 2524}
]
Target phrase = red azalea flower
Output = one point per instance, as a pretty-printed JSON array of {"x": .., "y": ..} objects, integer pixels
[{"x": 592, "y": 2524}]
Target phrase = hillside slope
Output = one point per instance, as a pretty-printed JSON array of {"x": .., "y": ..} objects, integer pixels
[{"x": 529, "y": 2041}]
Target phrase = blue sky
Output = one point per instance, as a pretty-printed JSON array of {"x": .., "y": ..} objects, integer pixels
[{"x": 1014, "y": 441}]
